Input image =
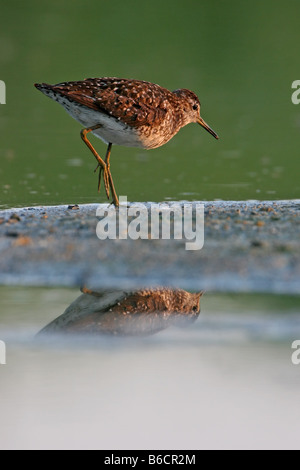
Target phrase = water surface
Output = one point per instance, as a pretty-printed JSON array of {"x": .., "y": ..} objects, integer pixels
[
  {"x": 225, "y": 382},
  {"x": 232, "y": 54}
]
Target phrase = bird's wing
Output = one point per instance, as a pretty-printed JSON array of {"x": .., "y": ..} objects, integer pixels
[
  {"x": 83, "y": 306},
  {"x": 127, "y": 100}
]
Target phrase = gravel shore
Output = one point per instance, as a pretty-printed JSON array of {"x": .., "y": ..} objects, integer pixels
[{"x": 249, "y": 246}]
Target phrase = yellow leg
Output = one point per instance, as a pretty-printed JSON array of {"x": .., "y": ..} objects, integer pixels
[
  {"x": 111, "y": 183},
  {"x": 101, "y": 162}
]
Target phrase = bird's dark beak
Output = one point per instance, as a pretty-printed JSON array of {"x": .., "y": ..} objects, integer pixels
[
  {"x": 206, "y": 126},
  {"x": 199, "y": 295}
]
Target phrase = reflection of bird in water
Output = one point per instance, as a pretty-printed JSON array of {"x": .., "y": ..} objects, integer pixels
[{"x": 139, "y": 312}]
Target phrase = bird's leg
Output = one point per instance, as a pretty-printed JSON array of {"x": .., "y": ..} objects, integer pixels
[
  {"x": 111, "y": 183},
  {"x": 107, "y": 165},
  {"x": 100, "y": 171},
  {"x": 101, "y": 162}
]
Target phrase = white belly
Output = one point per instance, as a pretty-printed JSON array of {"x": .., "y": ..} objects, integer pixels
[{"x": 112, "y": 130}]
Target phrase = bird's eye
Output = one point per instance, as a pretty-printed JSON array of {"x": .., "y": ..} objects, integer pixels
[
  {"x": 195, "y": 107},
  {"x": 195, "y": 308}
]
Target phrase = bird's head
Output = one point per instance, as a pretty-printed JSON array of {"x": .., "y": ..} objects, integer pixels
[
  {"x": 188, "y": 303},
  {"x": 192, "y": 109},
  {"x": 187, "y": 308}
]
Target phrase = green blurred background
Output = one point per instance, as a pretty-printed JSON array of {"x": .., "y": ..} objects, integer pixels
[{"x": 239, "y": 57}]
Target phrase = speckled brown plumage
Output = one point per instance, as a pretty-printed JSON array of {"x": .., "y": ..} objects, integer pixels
[
  {"x": 134, "y": 102},
  {"x": 127, "y": 313},
  {"x": 126, "y": 112}
]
